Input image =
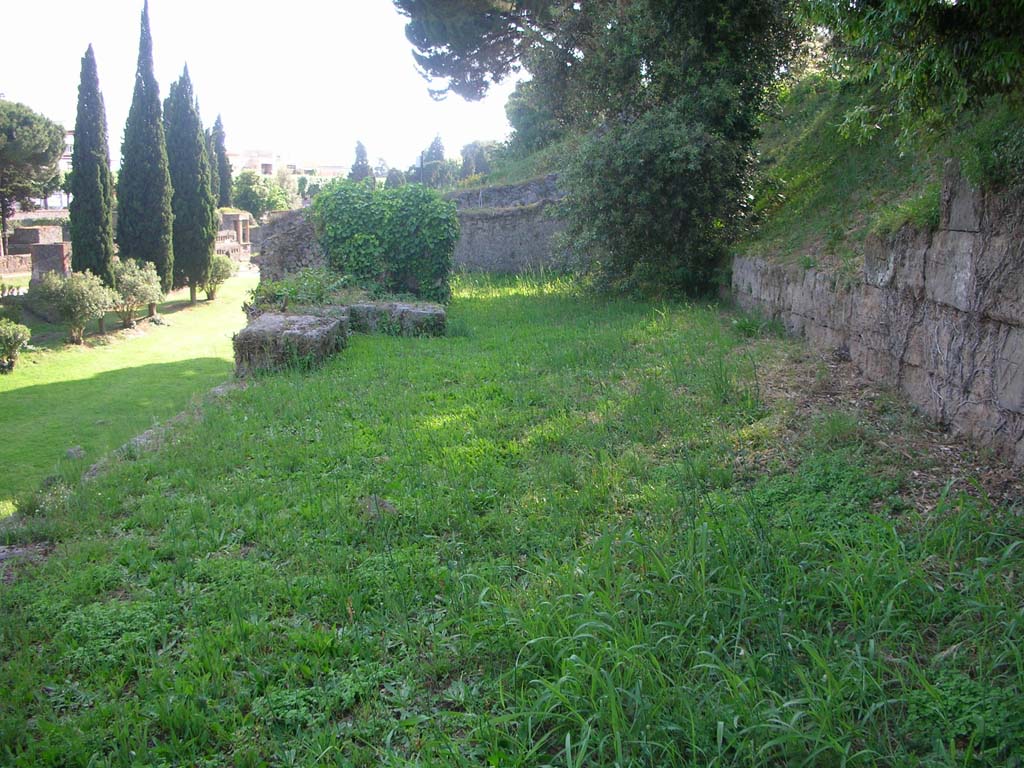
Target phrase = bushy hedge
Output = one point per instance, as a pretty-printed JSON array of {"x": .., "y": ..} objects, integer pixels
[{"x": 400, "y": 239}]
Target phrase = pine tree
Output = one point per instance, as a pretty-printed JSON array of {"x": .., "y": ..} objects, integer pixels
[
  {"x": 211, "y": 157},
  {"x": 361, "y": 167},
  {"x": 223, "y": 164},
  {"x": 92, "y": 190},
  {"x": 195, "y": 213},
  {"x": 144, "y": 214}
]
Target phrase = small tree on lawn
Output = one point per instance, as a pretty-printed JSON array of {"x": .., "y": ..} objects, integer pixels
[
  {"x": 79, "y": 298},
  {"x": 138, "y": 284},
  {"x": 221, "y": 269},
  {"x": 91, "y": 184},
  {"x": 195, "y": 212},
  {"x": 13, "y": 338}
]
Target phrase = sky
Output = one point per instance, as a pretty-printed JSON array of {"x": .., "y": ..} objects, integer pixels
[{"x": 302, "y": 79}]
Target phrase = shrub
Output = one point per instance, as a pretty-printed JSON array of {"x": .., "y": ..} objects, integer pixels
[
  {"x": 78, "y": 298},
  {"x": 398, "y": 239},
  {"x": 314, "y": 286},
  {"x": 221, "y": 269},
  {"x": 420, "y": 241},
  {"x": 135, "y": 284},
  {"x": 13, "y": 338}
]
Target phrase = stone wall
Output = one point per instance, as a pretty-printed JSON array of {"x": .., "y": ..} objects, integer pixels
[
  {"x": 287, "y": 244},
  {"x": 509, "y": 229},
  {"x": 23, "y": 238},
  {"x": 939, "y": 316},
  {"x": 505, "y": 230},
  {"x": 50, "y": 257},
  {"x": 508, "y": 240},
  {"x": 15, "y": 264},
  {"x": 540, "y": 190}
]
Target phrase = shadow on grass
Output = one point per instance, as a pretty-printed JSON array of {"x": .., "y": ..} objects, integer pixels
[{"x": 100, "y": 413}]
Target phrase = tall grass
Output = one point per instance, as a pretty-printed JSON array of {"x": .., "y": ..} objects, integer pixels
[{"x": 525, "y": 545}]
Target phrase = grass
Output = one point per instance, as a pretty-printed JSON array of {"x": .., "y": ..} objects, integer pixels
[
  {"x": 821, "y": 193},
  {"x": 528, "y": 544},
  {"x": 101, "y": 394}
]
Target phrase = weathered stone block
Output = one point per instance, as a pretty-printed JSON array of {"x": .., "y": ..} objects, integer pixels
[
  {"x": 950, "y": 269},
  {"x": 397, "y": 318},
  {"x": 50, "y": 257},
  {"x": 1009, "y": 371},
  {"x": 273, "y": 341}
]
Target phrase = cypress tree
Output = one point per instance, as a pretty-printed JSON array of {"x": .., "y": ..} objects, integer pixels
[
  {"x": 195, "y": 213},
  {"x": 361, "y": 167},
  {"x": 211, "y": 157},
  {"x": 92, "y": 190},
  {"x": 144, "y": 214},
  {"x": 223, "y": 164}
]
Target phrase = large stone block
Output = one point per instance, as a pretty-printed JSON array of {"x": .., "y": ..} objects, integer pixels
[
  {"x": 950, "y": 270},
  {"x": 1009, "y": 371},
  {"x": 274, "y": 341},
  {"x": 398, "y": 318}
]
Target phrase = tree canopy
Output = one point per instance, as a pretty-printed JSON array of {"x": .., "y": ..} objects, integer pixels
[
  {"x": 223, "y": 164},
  {"x": 361, "y": 167},
  {"x": 92, "y": 186},
  {"x": 30, "y": 146},
  {"x": 257, "y": 194}
]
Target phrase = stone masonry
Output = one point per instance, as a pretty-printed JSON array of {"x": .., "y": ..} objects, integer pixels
[{"x": 939, "y": 316}]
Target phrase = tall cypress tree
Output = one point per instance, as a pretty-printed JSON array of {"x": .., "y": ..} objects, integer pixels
[
  {"x": 223, "y": 164},
  {"x": 211, "y": 157},
  {"x": 92, "y": 190},
  {"x": 144, "y": 214},
  {"x": 195, "y": 212}
]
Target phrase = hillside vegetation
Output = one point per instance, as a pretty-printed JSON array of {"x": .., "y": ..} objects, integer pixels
[{"x": 573, "y": 532}]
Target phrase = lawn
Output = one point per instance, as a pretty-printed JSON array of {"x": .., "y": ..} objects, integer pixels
[
  {"x": 574, "y": 532},
  {"x": 100, "y": 395}
]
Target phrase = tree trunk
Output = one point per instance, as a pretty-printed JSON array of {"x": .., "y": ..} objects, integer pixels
[
  {"x": 192, "y": 294},
  {"x": 152, "y": 310},
  {"x": 103, "y": 326}
]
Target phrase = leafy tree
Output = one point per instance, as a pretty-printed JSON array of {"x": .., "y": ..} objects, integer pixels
[
  {"x": 13, "y": 338},
  {"x": 30, "y": 146},
  {"x": 223, "y": 164},
  {"x": 433, "y": 170},
  {"x": 930, "y": 59},
  {"x": 302, "y": 186},
  {"x": 79, "y": 298},
  {"x": 257, "y": 194},
  {"x": 476, "y": 159},
  {"x": 668, "y": 95},
  {"x": 221, "y": 270},
  {"x": 137, "y": 284},
  {"x": 195, "y": 211},
  {"x": 92, "y": 188},
  {"x": 144, "y": 194},
  {"x": 361, "y": 167},
  {"x": 395, "y": 179}
]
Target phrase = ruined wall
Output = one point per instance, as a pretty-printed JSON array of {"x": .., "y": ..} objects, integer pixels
[
  {"x": 939, "y": 316},
  {"x": 287, "y": 244},
  {"x": 509, "y": 229},
  {"x": 504, "y": 230}
]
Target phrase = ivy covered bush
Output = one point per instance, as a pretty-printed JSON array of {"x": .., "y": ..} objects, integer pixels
[
  {"x": 397, "y": 240},
  {"x": 13, "y": 338}
]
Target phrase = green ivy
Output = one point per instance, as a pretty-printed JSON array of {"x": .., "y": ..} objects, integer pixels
[{"x": 400, "y": 240}]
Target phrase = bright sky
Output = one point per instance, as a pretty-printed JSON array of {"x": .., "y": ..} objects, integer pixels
[{"x": 301, "y": 78}]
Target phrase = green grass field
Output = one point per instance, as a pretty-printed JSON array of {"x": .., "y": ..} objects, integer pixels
[
  {"x": 574, "y": 532},
  {"x": 103, "y": 393}
]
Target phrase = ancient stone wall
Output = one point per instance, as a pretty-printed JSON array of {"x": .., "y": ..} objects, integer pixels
[
  {"x": 50, "y": 257},
  {"x": 939, "y": 316},
  {"x": 540, "y": 190},
  {"x": 287, "y": 244},
  {"x": 23, "y": 238},
  {"x": 509, "y": 229},
  {"x": 505, "y": 230},
  {"x": 15, "y": 264}
]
